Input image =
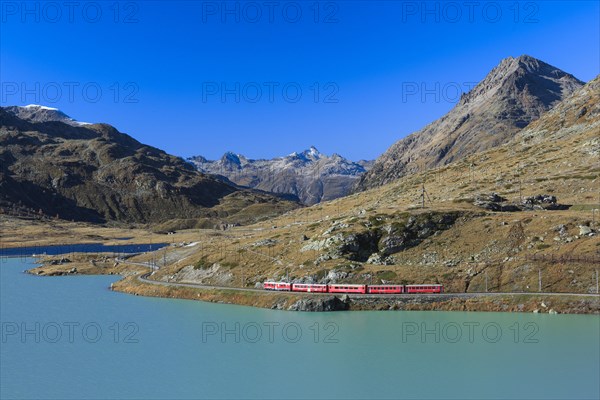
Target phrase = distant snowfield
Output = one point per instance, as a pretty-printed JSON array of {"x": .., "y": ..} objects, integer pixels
[{"x": 41, "y": 107}]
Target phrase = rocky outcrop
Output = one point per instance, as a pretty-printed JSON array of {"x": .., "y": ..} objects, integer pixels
[
  {"x": 310, "y": 176},
  {"x": 542, "y": 202},
  {"x": 391, "y": 235},
  {"x": 332, "y": 303},
  {"x": 495, "y": 202},
  {"x": 515, "y": 93}
]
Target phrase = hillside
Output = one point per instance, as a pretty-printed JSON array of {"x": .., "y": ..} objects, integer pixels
[
  {"x": 37, "y": 113},
  {"x": 548, "y": 228},
  {"x": 51, "y": 165},
  {"x": 309, "y": 175},
  {"x": 511, "y": 96}
]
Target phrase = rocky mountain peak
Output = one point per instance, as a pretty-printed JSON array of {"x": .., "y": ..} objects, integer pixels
[
  {"x": 513, "y": 94},
  {"x": 312, "y": 152},
  {"x": 308, "y": 155},
  {"x": 524, "y": 75},
  {"x": 310, "y": 175},
  {"x": 231, "y": 159}
]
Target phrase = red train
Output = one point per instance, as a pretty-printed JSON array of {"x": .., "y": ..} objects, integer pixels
[
  {"x": 423, "y": 288},
  {"x": 386, "y": 289},
  {"x": 352, "y": 288},
  {"x": 302, "y": 287},
  {"x": 277, "y": 286},
  {"x": 346, "y": 288}
]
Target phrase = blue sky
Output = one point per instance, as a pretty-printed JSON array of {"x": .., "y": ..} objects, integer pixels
[{"x": 347, "y": 76}]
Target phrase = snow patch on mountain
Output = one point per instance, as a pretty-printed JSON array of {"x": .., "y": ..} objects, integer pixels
[{"x": 38, "y": 113}]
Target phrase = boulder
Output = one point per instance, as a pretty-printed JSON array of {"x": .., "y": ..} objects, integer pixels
[
  {"x": 584, "y": 230},
  {"x": 561, "y": 229},
  {"x": 490, "y": 197},
  {"x": 265, "y": 242},
  {"x": 489, "y": 201}
]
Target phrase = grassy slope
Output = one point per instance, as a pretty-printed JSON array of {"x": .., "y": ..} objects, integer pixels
[{"x": 483, "y": 243}]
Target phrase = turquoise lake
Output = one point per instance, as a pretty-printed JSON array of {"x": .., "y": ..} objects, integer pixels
[{"x": 72, "y": 338}]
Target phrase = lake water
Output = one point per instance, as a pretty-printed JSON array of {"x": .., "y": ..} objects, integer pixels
[
  {"x": 79, "y": 247},
  {"x": 71, "y": 337}
]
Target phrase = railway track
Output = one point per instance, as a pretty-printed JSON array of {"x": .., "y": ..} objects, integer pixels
[{"x": 146, "y": 279}]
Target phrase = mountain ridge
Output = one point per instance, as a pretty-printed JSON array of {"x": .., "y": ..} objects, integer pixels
[
  {"x": 96, "y": 173},
  {"x": 38, "y": 113},
  {"x": 512, "y": 95},
  {"x": 310, "y": 175}
]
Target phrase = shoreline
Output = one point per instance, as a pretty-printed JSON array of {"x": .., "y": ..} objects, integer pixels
[{"x": 131, "y": 283}]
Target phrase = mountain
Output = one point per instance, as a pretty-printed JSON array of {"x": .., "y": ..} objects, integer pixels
[
  {"x": 52, "y": 166},
  {"x": 512, "y": 95},
  {"x": 310, "y": 175},
  {"x": 37, "y": 113},
  {"x": 578, "y": 113},
  {"x": 388, "y": 235}
]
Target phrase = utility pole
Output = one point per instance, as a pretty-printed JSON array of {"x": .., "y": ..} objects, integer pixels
[
  {"x": 540, "y": 279},
  {"x": 472, "y": 173},
  {"x": 423, "y": 194},
  {"x": 518, "y": 175},
  {"x": 597, "y": 288},
  {"x": 520, "y": 187},
  {"x": 486, "y": 281}
]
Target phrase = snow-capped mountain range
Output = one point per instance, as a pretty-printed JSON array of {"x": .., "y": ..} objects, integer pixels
[{"x": 310, "y": 175}]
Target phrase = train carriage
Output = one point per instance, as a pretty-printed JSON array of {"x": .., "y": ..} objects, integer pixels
[
  {"x": 424, "y": 288},
  {"x": 346, "y": 288},
  {"x": 385, "y": 289},
  {"x": 309, "y": 288},
  {"x": 280, "y": 286}
]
